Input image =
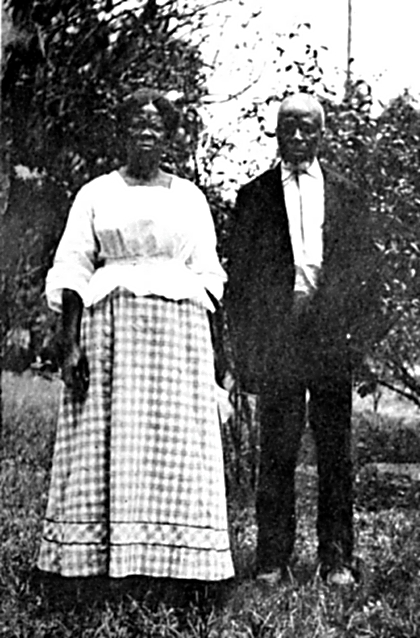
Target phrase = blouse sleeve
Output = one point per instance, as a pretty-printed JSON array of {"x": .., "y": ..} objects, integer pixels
[
  {"x": 204, "y": 260},
  {"x": 75, "y": 257}
]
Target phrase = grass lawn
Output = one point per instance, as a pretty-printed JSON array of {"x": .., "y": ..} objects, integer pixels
[{"x": 387, "y": 521}]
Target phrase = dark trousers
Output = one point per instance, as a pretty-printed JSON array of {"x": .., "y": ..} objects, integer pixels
[{"x": 283, "y": 413}]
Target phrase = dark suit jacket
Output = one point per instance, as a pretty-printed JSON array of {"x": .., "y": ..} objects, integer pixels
[{"x": 261, "y": 275}]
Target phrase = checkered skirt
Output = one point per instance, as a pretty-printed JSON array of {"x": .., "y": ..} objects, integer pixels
[{"x": 137, "y": 484}]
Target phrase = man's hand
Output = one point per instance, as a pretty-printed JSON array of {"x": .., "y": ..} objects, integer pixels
[{"x": 75, "y": 371}]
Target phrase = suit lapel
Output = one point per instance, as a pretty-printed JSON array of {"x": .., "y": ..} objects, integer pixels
[
  {"x": 278, "y": 200},
  {"x": 276, "y": 192}
]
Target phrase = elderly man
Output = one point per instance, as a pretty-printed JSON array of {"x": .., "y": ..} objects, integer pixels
[{"x": 299, "y": 299}]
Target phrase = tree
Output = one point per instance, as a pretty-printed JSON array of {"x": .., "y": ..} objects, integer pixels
[
  {"x": 383, "y": 154},
  {"x": 394, "y": 169}
]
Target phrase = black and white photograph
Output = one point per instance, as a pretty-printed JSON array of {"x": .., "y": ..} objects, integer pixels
[{"x": 209, "y": 319}]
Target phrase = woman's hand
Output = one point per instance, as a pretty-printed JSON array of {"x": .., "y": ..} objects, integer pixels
[
  {"x": 75, "y": 371},
  {"x": 75, "y": 367}
]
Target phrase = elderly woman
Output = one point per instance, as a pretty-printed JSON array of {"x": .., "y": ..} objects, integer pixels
[{"x": 137, "y": 484}]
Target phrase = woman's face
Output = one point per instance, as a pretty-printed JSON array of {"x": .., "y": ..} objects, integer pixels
[{"x": 146, "y": 134}]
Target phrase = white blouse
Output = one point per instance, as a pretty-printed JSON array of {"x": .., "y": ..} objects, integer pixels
[{"x": 150, "y": 240}]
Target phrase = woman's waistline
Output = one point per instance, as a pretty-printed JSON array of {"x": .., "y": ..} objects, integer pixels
[
  {"x": 186, "y": 290},
  {"x": 146, "y": 262},
  {"x": 121, "y": 290}
]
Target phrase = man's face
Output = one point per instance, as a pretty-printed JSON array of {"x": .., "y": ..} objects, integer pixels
[{"x": 299, "y": 133}]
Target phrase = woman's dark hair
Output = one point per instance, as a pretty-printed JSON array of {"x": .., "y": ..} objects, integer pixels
[{"x": 170, "y": 115}]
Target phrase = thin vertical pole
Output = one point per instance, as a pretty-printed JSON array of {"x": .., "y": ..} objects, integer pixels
[{"x": 349, "y": 43}]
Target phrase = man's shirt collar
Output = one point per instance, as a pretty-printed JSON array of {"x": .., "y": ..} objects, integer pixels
[{"x": 312, "y": 169}]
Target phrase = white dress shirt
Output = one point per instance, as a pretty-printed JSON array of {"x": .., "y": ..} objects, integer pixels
[
  {"x": 151, "y": 239},
  {"x": 304, "y": 198}
]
